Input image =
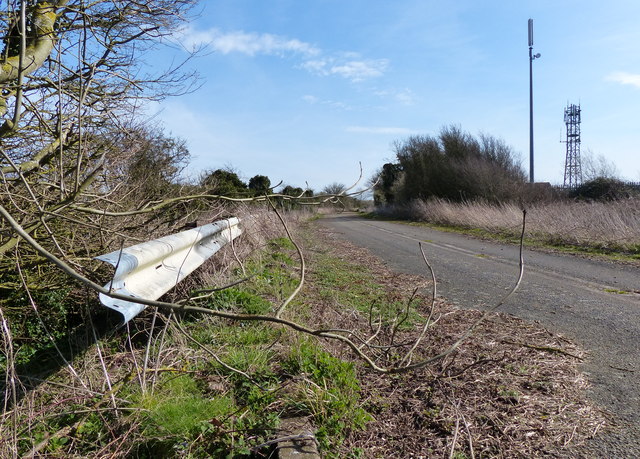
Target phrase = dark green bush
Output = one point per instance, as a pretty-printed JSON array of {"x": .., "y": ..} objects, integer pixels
[
  {"x": 604, "y": 189},
  {"x": 453, "y": 165}
]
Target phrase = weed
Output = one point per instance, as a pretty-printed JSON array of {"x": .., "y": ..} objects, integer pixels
[
  {"x": 240, "y": 300},
  {"x": 518, "y": 369},
  {"x": 182, "y": 420},
  {"x": 206, "y": 409},
  {"x": 353, "y": 287},
  {"x": 177, "y": 407},
  {"x": 30, "y": 329},
  {"x": 616, "y": 291},
  {"x": 248, "y": 335},
  {"x": 280, "y": 243},
  {"x": 597, "y": 228},
  {"x": 508, "y": 395},
  {"x": 328, "y": 389}
]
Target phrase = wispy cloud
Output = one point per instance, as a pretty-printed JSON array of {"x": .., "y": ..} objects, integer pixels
[
  {"x": 313, "y": 100},
  {"x": 250, "y": 44},
  {"x": 378, "y": 130},
  {"x": 351, "y": 69},
  {"x": 404, "y": 96},
  {"x": 348, "y": 65},
  {"x": 632, "y": 79}
]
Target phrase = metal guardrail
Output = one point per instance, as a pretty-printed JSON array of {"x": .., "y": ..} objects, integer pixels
[{"x": 150, "y": 269}]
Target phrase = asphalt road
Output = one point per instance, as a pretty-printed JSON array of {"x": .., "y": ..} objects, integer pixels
[{"x": 594, "y": 303}]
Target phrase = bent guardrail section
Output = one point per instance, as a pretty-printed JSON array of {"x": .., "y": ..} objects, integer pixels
[{"x": 150, "y": 269}]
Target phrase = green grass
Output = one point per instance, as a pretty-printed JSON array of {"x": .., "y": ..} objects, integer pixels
[
  {"x": 198, "y": 407},
  {"x": 242, "y": 301},
  {"x": 317, "y": 384},
  {"x": 329, "y": 391},
  {"x": 353, "y": 287},
  {"x": 616, "y": 291},
  {"x": 182, "y": 419},
  {"x": 179, "y": 406}
]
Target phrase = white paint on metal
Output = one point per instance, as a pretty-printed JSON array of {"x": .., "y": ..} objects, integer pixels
[{"x": 151, "y": 269}]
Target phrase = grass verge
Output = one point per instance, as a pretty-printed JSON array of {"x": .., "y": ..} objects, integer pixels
[{"x": 214, "y": 388}]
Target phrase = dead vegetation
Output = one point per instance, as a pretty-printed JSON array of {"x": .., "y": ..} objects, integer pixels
[
  {"x": 208, "y": 374},
  {"x": 513, "y": 390},
  {"x": 205, "y": 385},
  {"x": 608, "y": 226}
]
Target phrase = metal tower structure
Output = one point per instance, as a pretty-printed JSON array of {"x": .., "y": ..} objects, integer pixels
[{"x": 572, "y": 165}]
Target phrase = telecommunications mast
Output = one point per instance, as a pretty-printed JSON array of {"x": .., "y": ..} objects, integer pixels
[
  {"x": 531, "y": 58},
  {"x": 572, "y": 165}
]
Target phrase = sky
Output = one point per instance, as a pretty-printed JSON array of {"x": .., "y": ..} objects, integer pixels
[{"x": 306, "y": 91}]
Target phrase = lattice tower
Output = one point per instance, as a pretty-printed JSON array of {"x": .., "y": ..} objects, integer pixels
[{"x": 572, "y": 165}]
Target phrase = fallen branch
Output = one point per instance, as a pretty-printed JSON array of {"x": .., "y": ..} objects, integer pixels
[
  {"x": 320, "y": 333},
  {"x": 551, "y": 349}
]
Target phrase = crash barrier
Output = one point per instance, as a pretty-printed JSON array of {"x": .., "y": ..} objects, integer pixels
[{"x": 151, "y": 269}]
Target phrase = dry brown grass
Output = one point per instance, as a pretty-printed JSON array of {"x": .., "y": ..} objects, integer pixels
[
  {"x": 259, "y": 225},
  {"x": 611, "y": 225}
]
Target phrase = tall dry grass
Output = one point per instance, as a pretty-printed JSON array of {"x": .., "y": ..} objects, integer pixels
[{"x": 611, "y": 225}]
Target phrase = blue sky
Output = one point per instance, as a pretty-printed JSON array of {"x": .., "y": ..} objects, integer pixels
[{"x": 304, "y": 91}]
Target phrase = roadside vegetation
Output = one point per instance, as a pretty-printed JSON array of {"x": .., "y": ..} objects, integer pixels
[
  {"x": 196, "y": 386},
  {"x": 606, "y": 228},
  {"x": 84, "y": 173},
  {"x": 476, "y": 185}
]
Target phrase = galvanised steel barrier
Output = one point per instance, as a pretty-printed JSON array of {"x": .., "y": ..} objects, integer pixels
[{"x": 150, "y": 269}]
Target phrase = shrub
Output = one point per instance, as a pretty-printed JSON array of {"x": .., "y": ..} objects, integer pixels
[
  {"x": 454, "y": 166},
  {"x": 604, "y": 189}
]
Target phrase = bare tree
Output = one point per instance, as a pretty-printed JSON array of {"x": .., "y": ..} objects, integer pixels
[
  {"x": 72, "y": 78},
  {"x": 597, "y": 166},
  {"x": 72, "y": 149},
  {"x": 334, "y": 188}
]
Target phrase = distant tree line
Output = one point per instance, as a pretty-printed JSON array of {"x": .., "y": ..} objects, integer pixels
[{"x": 228, "y": 183}]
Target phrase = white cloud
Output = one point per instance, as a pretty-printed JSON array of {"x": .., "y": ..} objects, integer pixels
[
  {"x": 404, "y": 96},
  {"x": 347, "y": 64},
  {"x": 632, "y": 79},
  {"x": 360, "y": 70},
  {"x": 313, "y": 100},
  {"x": 318, "y": 66},
  {"x": 354, "y": 70},
  {"x": 246, "y": 43},
  {"x": 379, "y": 130}
]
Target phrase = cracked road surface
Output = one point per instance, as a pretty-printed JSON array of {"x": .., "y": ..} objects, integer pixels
[{"x": 594, "y": 303}]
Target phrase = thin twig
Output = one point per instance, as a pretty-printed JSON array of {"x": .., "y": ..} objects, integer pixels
[
  {"x": 295, "y": 292},
  {"x": 551, "y": 349},
  {"x": 434, "y": 293}
]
